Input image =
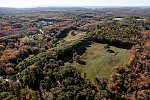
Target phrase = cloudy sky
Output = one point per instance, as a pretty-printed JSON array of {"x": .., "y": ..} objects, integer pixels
[{"x": 39, "y": 3}]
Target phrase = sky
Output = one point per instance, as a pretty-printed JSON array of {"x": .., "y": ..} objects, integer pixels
[{"x": 79, "y": 3}]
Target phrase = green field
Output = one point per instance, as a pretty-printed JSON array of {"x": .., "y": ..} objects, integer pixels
[
  {"x": 118, "y": 19},
  {"x": 141, "y": 19},
  {"x": 71, "y": 37},
  {"x": 75, "y": 37},
  {"x": 99, "y": 62}
]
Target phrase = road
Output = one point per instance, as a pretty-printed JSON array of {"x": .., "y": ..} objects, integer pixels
[{"x": 41, "y": 31}]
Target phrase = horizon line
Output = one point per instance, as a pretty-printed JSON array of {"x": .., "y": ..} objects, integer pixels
[{"x": 79, "y": 6}]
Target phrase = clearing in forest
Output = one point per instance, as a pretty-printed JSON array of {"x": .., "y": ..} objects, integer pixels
[
  {"x": 118, "y": 19},
  {"x": 74, "y": 35},
  {"x": 100, "y": 62}
]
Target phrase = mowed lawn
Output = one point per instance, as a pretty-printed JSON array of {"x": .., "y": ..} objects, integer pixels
[{"x": 99, "y": 62}]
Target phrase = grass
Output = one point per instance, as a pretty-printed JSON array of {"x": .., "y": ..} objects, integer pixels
[
  {"x": 100, "y": 63},
  {"x": 71, "y": 37},
  {"x": 141, "y": 19},
  {"x": 27, "y": 38},
  {"x": 118, "y": 19}
]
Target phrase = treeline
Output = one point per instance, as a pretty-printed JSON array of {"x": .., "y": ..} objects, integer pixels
[{"x": 113, "y": 42}]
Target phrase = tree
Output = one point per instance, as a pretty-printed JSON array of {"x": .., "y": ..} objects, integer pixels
[
  {"x": 79, "y": 60},
  {"x": 31, "y": 77},
  {"x": 29, "y": 94},
  {"x": 9, "y": 70},
  {"x": 107, "y": 46}
]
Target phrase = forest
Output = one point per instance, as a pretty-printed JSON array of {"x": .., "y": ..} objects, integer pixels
[{"x": 74, "y": 53}]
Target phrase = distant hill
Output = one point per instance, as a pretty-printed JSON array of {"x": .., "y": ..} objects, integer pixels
[
  {"x": 15, "y": 10},
  {"x": 5, "y": 9},
  {"x": 84, "y": 8},
  {"x": 97, "y": 7}
]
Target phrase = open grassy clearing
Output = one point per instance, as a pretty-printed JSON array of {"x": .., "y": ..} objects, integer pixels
[
  {"x": 73, "y": 35},
  {"x": 118, "y": 19},
  {"x": 141, "y": 19},
  {"x": 99, "y": 62}
]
